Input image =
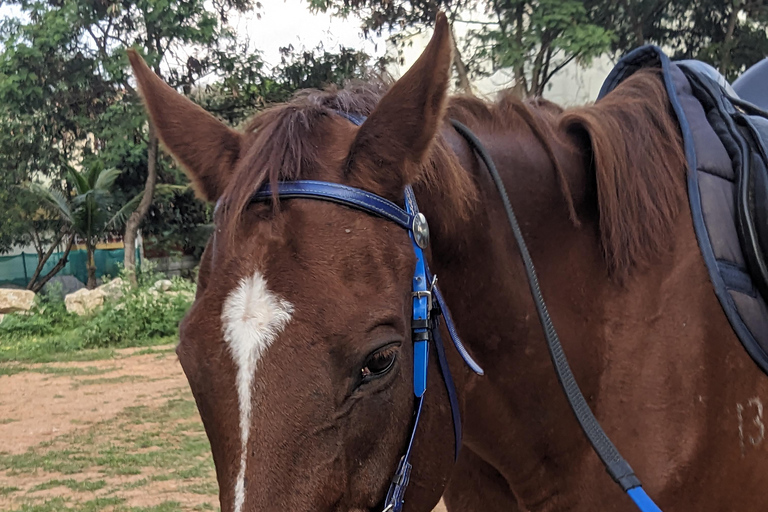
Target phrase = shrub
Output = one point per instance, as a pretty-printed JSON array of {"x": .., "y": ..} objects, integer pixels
[
  {"x": 142, "y": 314},
  {"x": 47, "y": 316}
]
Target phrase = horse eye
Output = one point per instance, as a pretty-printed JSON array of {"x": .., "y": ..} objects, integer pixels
[{"x": 379, "y": 363}]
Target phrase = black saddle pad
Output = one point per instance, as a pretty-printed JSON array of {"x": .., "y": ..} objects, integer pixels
[{"x": 725, "y": 141}]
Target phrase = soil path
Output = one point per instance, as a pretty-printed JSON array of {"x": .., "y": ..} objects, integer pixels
[
  {"x": 74, "y": 436},
  {"x": 44, "y": 401}
]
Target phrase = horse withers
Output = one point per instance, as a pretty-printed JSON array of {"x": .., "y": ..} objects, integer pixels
[{"x": 299, "y": 347}]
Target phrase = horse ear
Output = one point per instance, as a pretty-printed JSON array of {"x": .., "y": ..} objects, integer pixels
[
  {"x": 398, "y": 134},
  {"x": 205, "y": 146}
]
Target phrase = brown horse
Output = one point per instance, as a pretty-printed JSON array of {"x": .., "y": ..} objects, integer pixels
[{"x": 298, "y": 348}]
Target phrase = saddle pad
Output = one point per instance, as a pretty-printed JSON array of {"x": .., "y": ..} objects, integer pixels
[{"x": 726, "y": 161}]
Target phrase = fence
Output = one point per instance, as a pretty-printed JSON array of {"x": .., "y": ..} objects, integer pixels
[{"x": 17, "y": 270}]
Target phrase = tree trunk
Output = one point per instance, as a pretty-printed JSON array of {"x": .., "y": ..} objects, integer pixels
[
  {"x": 42, "y": 259},
  {"x": 725, "y": 57},
  {"x": 132, "y": 225},
  {"x": 521, "y": 84},
  {"x": 461, "y": 68},
  {"x": 90, "y": 265},
  {"x": 56, "y": 268}
]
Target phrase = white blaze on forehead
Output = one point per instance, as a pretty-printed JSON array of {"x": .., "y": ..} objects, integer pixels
[{"x": 252, "y": 318}]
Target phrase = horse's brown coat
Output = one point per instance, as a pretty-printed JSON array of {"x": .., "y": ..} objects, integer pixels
[{"x": 600, "y": 195}]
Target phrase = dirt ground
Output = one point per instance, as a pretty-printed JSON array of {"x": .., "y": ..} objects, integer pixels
[
  {"x": 47, "y": 404},
  {"x": 115, "y": 435}
]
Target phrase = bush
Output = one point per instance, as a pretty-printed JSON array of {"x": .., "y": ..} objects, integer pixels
[
  {"x": 47, "y": 316},
  {"x": 142, "y": 314}
]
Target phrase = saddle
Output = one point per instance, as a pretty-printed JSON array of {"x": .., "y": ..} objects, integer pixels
[{"x": 726, "y": 147}]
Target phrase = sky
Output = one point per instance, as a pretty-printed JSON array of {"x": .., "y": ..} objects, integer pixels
[{"x": 285, "y": 22}]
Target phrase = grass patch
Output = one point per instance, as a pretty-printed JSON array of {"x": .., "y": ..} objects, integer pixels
[
  {"x": 72, "y": 371},
  {"x": 5, "y": 491},
  {"x": 205, "y": 487},
  {"x": 75, "y": 485},
  {"x": 6, "y": 421},
  {"x": 47, "y": 350},
  {"x": 113, "y": 447},
  {"x": 166, "y": 506},
  {"x": 140, "y": 446},
  {"x": 107, "y": 380}
]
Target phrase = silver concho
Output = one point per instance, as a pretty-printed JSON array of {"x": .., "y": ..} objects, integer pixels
[{"x": 420, "y": 230}]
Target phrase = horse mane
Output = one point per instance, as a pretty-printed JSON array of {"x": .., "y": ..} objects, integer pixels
[
  {"x": 630, "y": 140},
  {"x": 634, "y": 147}
]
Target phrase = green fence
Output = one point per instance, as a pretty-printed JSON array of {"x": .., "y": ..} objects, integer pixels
[{"x": 17, "y": 270}]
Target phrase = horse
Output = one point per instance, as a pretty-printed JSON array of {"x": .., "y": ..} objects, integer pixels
[{"x": 298, "y": 346}]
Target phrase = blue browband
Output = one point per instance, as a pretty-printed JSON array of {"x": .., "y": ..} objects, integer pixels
[{"x": 428, "y": 303}]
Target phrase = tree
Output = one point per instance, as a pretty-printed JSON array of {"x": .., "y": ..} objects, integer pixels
[
  {"x": 46, "y": 233},
  {"x": 729, "y": 34},
  {"x": 89, "y": 211},
  {"x": 67, "y": 100},
  {"x": 403, "y": 20},
  {"x": 72, "y": 40},
  {"x": 162, "y": 30},
  {"x": 533, "y": 38}
]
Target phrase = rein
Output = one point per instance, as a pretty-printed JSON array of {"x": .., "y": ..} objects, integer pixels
[{"x": 429, "y": 306}]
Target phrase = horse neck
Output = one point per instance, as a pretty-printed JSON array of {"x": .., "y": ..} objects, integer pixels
[
  {"x": 480, "y": 269},
  {"x": 599, "y": 319}
]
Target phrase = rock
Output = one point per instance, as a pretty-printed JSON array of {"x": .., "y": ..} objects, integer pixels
[
  {"x": 113, "y": 290},
  {"x": 62, "y": 285},
  {"x": 84, "y": 301},
  {"x": 12, "y": 301},
  {"x": 163, "y": 285},
  {"x": 190, "y": 296}
]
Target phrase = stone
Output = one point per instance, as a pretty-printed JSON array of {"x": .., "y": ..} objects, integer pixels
[
  {"x": 113, "y": 290},
  {"x": 13, "y": 301},
  {"x": 185, "y": 294},
  {"x": 163, "y": 285},
  {"x": 84, "y": 301},
  {"x": 62, "y": 285}
]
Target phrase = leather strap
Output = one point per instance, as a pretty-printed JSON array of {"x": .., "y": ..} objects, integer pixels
[{"x": 341, "y": 194}]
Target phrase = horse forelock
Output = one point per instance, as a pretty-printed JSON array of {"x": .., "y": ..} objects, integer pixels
[{"x": 293, "y": 141}]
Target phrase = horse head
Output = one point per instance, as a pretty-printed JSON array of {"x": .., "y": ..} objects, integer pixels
[{"x": 298, "y": 346}]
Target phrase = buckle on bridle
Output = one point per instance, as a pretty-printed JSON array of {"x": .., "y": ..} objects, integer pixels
[{"x": 419, "y": 294}]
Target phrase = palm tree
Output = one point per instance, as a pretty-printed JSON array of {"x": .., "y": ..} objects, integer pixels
[{"x": 90, "y": 209}]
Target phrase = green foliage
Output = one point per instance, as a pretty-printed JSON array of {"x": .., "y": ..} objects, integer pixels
[
  {"x": 67, "y": 98},
  {"x": 535, "y": 39},
  {"x": 250, "y": 88},
  {"x": 730, "y": 35},
  {"x": 532, "y": 38},
  {"x": 48, "y": 316},
  {"x": 142, "y": 316}
]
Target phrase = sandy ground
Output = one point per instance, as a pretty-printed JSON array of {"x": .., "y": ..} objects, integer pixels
[
  {"x": 40, "y": 406},
  {"x": 44, "y": 402}
]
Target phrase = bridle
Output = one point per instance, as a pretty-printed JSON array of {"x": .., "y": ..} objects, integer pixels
[
  {"x": 429, "y": 306},
  {"x": 428, "y": 303}
]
